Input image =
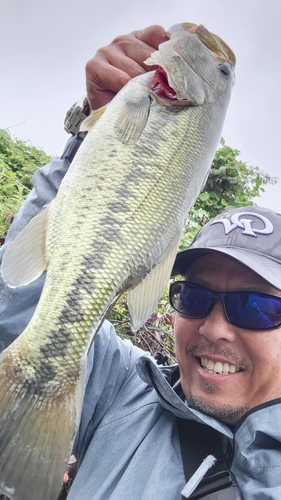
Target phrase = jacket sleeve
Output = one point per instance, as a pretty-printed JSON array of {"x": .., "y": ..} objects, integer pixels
[
  {"x": 18, "y": 304},
  {"x": 111, "y": 362}
]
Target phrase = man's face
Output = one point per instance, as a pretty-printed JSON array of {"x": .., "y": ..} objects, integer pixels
[{"x": 251, "y": 359}]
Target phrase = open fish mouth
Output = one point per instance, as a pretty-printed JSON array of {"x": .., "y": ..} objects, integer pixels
[
  {"x": 160, "y": 87},
  {"x": 161, "y": 84}
]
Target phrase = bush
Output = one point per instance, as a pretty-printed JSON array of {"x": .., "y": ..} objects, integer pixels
[{"x": 18, "y": 162}]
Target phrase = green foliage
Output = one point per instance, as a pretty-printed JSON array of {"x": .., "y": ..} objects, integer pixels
[
  {"x": 231, "y": 183},
  {"x": 18, "y": 162}
]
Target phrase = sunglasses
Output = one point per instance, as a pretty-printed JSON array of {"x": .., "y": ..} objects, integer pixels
[{"x": 248, "y": 310}]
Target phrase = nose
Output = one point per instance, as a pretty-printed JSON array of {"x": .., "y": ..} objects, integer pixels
[{"x": 215, "y": 325}]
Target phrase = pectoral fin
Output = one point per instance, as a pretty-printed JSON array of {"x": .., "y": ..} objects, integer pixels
[
  {"x": 25, "y": 260},
  {"x": 133, "y": 117},
  {"x": 143, "y": 299},
  {"x": 92, "y": 119}
]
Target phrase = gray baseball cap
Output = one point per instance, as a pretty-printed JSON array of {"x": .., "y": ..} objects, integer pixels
[{"x": 251, "y": 235}]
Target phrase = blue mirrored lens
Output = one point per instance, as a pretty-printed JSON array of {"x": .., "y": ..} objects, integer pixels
[
  {"x": 190, "y": 299},
  {"x": 253, "y": 311}
]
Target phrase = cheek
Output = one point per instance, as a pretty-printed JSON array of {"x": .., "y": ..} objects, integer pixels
[
  {"x": 265, "y": 356},
  {"x": 185, "y": 331},
  {"x": 264, "y": 351},
  {"x": 180, "y": 329},
  {"x": 180, "y": 338}
]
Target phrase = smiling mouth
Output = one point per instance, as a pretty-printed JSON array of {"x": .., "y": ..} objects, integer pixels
[{"x": 217, "y": 367}]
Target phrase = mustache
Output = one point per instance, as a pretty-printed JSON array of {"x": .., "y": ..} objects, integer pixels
[{"x": 216, "y": 350}]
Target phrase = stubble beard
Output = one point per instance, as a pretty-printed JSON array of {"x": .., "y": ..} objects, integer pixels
[{"x": 225, "y": 413}]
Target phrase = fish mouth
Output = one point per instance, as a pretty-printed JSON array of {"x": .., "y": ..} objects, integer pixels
[
  {"x": 161, "y": 88},
  {"x": 219, "y": 50}
]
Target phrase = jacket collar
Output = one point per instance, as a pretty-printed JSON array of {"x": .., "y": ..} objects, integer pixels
[{"x": 164, "y": 380}]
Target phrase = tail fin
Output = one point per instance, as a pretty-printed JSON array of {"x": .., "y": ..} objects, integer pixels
[{"x": 36, "y": 434}]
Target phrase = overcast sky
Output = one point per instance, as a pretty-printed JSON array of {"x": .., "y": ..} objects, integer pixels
[{"x": 45, "y": 45}]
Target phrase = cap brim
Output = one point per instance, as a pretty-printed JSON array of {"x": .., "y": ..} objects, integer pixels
[{"x": 267, "y": 268}]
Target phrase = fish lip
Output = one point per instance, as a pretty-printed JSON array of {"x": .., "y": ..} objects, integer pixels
[
  {"x": 220, "y": 51},
  {"x": 175, "y": 102},
  {"x": 167, "y": 100}
]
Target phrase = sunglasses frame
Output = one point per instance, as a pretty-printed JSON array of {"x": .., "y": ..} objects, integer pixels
[{"x": 221, "y": 297}]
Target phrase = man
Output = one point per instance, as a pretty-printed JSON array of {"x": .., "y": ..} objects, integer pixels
[
  {"x": 228, "y": 349},
  {"x": 139, "y": 422}
]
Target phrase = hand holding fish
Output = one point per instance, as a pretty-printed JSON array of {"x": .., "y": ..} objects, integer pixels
[{"x": 114, "y": 65}]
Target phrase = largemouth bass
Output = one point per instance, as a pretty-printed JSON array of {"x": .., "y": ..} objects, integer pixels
[{"x": 124, "y": 203}]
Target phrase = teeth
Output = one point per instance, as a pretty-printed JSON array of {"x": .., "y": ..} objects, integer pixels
[{"x": 218, "y": 367}]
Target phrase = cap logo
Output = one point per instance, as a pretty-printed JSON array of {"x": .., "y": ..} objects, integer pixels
[{"x": 245, "y": 224}]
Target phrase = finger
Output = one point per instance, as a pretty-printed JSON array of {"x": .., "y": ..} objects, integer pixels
[
  {"x": 103, "y": 82},
  {"x": 123, "y": 56},
  {"x": 152, "y": 36},
  {"x": 139, "y": 45},
  {"x": 128, "y": 52},
  {"x": 112, "y": 67}
]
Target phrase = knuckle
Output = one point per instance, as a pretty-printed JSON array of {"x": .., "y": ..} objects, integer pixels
[
  {"x": 122, "y": 40},
  {"x": 93, "y": 63},
  {"x": 154, "y": 31}
]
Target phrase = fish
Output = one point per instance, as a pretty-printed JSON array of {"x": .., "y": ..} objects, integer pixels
[{"x": 124, "y": 202}]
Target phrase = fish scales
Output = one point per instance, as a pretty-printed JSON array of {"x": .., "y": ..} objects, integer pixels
[
  {"x": 114, "y": 225},
  {"x": 159, "y": 191},
  {"x": 161, "y": 196}
]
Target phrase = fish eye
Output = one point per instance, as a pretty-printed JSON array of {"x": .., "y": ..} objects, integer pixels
[{"x": 224, "y": 69}]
